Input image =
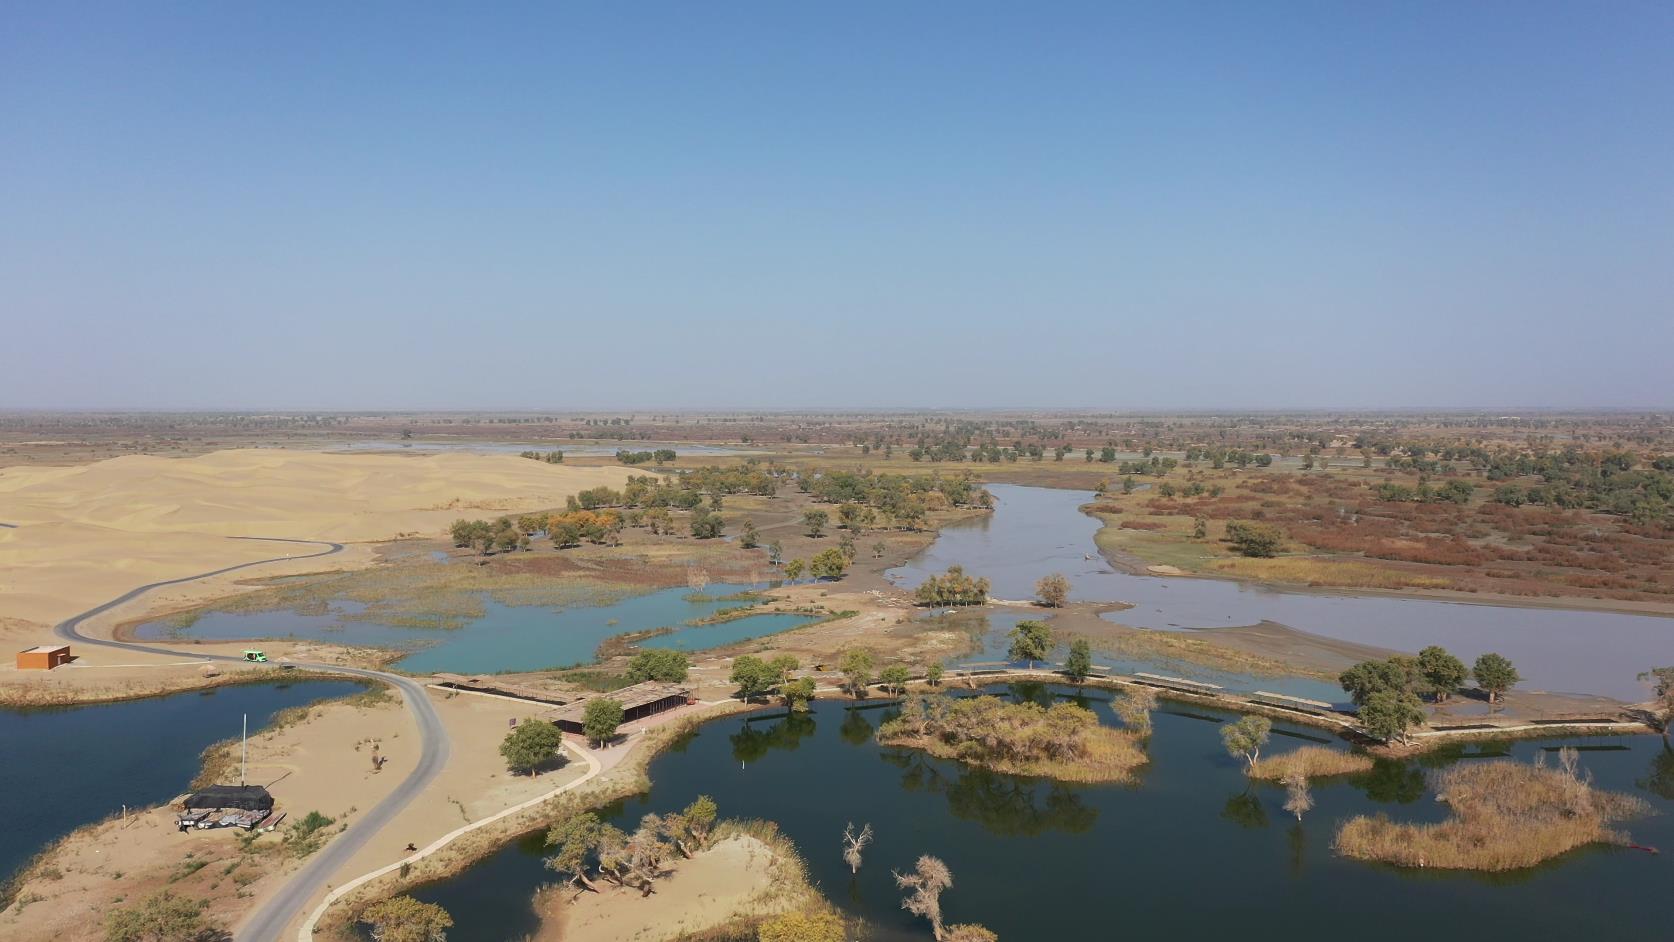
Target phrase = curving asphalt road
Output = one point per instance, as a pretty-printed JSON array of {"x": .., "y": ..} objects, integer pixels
[{"x": 266, "y": 923}]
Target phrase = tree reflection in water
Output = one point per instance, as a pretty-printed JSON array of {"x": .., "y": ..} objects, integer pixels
[
  {"x": 1006, "y": 805},
  {"x": 1660, "y": 780},
  {"x": 757, "y": 739},
  {"x": 856, "y": 730},
  {"x": 1391, "y": 782},
  {"x": 1244, "y": 809}
]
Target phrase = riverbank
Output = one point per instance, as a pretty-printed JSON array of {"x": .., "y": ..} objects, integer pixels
[
  {"x": 1332, "y": 575},
  {"x": 60, "y": 889},
  {"x": 622, "y": 773}
]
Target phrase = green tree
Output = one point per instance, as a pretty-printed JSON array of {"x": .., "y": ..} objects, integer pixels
[
  {"x": 1244, "y": 738},
  {"x": 1031, "y": 641},
  {"x": 1080, "y": 661},
  {"x": 1254, "y": 539},
  {"x": 1388, "y": 714},
  {"x": 706, "y": 525},
  {"x": 933, "y": 675},
  {"x": 1442, "y": 672},
  {"x": 576, "y": 838},
  {"x": 1052, "y": 590},
  {"x": 1200, "y": 528},
  {"x": 754, "y": 676},
  {"x": 600, "y": 719},
  {"x": 404, "y": 919},
  {"x": 782, "y": 666},
  {"x": 798, "y": 693},
  {"x": 894, "y": 679},
  {"x": 828, "y": 564},
  {"x": 1495, "y": 674},
  {"x": 748, "y": 536},
  {"x": 161, "y": 917},
  {"x": 1662, "y": 681},
  {"x": 775, "y": 553},
  {"x": 1369, "y": 677},
  {"x": 814, "y": 521},
  {"x": 793, "y": 569},
  {"x": 856, "y": 665},
  {"x": 665, "y": 664},
  {"x": 531, "y": 745}
]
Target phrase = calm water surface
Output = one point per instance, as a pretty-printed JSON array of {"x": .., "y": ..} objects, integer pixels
[
  {"x": 63, "y": 767},
  {"x": 1191, "y": 851},
  {"x": 1035, "y": 530},
  {"x": 506, "y": 637}
]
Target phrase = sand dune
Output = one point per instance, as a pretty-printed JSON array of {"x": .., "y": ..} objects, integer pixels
[{"x": 85, "y": 534}]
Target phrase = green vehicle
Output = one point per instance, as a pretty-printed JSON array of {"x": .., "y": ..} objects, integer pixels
[{"x": 254, "y": 655}]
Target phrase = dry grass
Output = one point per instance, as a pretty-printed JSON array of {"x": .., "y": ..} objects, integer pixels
[
  {"x": 1311, "y": 762},
  {"x": 1327, "y": 572},
  {"x": 1506, "y": 816},
  {"x": 1176, "y": 646},
  {"x": 1063, "y": 742}
]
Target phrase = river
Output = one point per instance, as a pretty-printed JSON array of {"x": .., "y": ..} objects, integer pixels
[{"x": 1036, "y": 530}]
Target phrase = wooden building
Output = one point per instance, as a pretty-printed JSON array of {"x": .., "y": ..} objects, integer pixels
[
  {"x": 638, "y": 702},
  {"x": 43, "y": 657}
]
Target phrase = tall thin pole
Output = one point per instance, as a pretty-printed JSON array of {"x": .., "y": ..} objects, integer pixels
[{"x": 244, "y": 750}]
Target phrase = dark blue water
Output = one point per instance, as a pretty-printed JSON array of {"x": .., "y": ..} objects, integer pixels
[
  {"x": 63, "y": 767},
  {"x": 1191, "y": 851},
  {"x": 506, "y": 637},
  {"x": 1037, "y": 530}
]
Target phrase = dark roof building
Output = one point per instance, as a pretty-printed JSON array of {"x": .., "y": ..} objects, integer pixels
[{"x": 241, "y": 797}]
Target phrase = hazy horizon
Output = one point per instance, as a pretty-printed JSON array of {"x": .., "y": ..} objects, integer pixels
[{"x": 1082, "y": 207}]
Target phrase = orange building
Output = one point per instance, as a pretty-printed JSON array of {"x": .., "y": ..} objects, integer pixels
[{"x": 43, "y": 657}]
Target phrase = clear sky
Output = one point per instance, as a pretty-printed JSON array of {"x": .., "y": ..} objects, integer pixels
[{"x": 551, "y": 206}]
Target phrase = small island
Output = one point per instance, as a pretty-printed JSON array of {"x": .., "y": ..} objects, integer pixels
[
  {"x": 1506, "y": 816},
  {"x": 1064, "y": 741}
]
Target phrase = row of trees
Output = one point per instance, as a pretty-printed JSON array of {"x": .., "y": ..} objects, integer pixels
[
  {"x": 585, "y": 846},
  {"x": 1388, "y": 692},
  {"x": 952, "y": 588},
  {"x": 660, "y": 456}
]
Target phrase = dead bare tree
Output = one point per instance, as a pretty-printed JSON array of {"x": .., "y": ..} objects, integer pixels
[
  {"x": 1134, "y": 709},
  {"x": 854, "y": 843},
  {"x": 1298, "y": 801},
  {"x": 925, "y": 885}
]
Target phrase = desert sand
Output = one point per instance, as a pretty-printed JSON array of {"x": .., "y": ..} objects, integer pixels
[
  {"x": 706, "y": 891},
  {"x": 82, "y": 535}
]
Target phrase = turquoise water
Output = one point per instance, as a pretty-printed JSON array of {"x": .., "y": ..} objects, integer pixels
[
  {"x": 696, "y": 638},
  {"x": 64, "y": 767},
  {"x": 1192, "y": 850},
  {"x": 506, "y": 637}
]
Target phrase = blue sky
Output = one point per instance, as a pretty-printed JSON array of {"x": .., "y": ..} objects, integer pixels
[{"x": 1198, "y": 205}]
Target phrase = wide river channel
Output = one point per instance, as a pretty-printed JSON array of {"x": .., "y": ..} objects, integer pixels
[{"x": 1036, "y": 530}]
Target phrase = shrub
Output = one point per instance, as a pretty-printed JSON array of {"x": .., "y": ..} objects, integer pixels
[{"x": 1253, "y": 539}]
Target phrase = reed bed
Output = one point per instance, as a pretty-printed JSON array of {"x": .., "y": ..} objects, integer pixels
[
  {"x": 1310, "y": 762},
  {"x": 1506, "y": 816},
  {"x": 1063, "y": 742}
]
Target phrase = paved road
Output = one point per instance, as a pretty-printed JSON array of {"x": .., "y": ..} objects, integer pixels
[{"x": 266, "y": 924}]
